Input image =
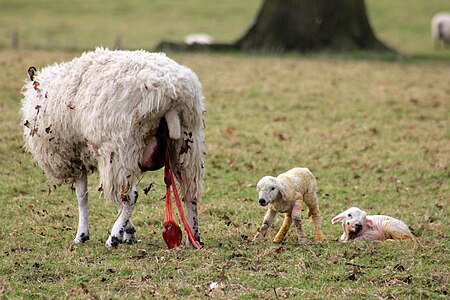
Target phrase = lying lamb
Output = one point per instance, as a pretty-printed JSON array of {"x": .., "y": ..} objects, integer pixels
[
  {"x": 285, "y": 194},
  {"x": 198, "y": 38},
  {"x": 359, "y": 226},
  {"x": 119, "y": 112}
]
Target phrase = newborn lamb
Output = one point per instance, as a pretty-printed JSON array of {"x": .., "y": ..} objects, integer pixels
[
  {"x": 359, "y": 226},
  {"x": 285, "y": 194}
]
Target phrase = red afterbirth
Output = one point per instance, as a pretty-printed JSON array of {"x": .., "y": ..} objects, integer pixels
[{"x": 172, "y": 234}]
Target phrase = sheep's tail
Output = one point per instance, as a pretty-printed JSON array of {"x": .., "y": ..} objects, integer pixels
[{"x": 174, "y": 124}]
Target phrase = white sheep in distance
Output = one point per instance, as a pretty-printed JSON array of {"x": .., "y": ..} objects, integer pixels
[
  {"x": 286, "y": 194},
  {"x": 440, "y": 28},
  {"x": 112, "y": 110},
  {"x": 359, "y": 226}
]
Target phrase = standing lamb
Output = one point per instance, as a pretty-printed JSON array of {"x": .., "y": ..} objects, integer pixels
[
  {"x": 440, "y": 28},
  {"x": 286, "y": 194},
  {"x": 116, "y": 111},
  {"x": 359, "y": 226}
]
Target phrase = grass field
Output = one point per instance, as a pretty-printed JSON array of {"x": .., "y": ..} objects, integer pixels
[{"x": 375, "y": 132}]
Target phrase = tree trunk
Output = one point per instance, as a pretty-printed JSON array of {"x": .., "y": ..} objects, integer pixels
[{"x": 303, "y": 25}]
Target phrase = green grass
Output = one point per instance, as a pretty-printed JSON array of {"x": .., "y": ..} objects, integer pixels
[
  {"x": 405, "y": 25},
  {"x": 374, "y": 132},
  {"x": 140, "y": 24},
  {"x": 47, "y": 24}
]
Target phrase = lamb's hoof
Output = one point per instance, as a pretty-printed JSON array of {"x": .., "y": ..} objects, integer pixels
[
  {"x": 258, "y": 238},
  {"x": 80, "y": 239},
  {"x": 277, "y": 241},
  {"x": 302, "y": 242},
  {"x": 319, "y": 238},
  {"x": 113, "y": 242}
]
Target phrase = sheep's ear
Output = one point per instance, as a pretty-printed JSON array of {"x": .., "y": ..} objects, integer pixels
[
  {"x": 369, "y": 222},
  {"x": 31, "y": 72},
  {"x": 282, "y": 190},
  {"x": 339, "y": 218}
]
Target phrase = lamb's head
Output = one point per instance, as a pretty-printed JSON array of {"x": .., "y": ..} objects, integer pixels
[
  {"x": 269, "y": 189},
  {"x": 353, "y": 220}
]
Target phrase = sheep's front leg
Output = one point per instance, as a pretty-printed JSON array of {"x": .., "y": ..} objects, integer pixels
[
  {"x": 82, "y": 196},
  {"x": 268, "y": 220},
  {"x": 297, "y": 218},
  {"x": 123, "y": 229},
  {"x": 284, "y": 228}
]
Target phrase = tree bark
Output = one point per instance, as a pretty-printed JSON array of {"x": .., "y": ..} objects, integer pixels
[{"x": 303, "y": 25}]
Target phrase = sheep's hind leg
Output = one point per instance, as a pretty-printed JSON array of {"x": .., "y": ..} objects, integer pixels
[
  {"x": 315, "y": 214},
  {"x": 129, "y": 236},
  {"x": 297, "y": 218},
  {"x": 192, "y": 217},
  {"x": 123, "y": 230},
  {"x": 82, "y": 196}
]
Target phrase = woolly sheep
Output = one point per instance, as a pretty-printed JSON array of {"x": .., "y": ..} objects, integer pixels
[
  {"x": 108, "y": 110},
  {"x": 359, "y": 226},
  {"x": 440, "y": 28},
  {"x": 285, "y": 194}
]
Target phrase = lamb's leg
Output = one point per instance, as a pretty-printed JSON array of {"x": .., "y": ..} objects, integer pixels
[
  {"x": 122, "y": 223},
  {"x": 344, "y": 238},
  {"x": 397, "y": 231},
  {"x": 315, "y": 214},
  {"x": 284, "y": 228},
  {"x": 82, "y": 196},
  {"x": 268, "y": 220},
  {"x": 297, "y": 218}
]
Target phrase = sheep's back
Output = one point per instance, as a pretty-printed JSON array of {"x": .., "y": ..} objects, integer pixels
[{"x": 104, "y": 104}]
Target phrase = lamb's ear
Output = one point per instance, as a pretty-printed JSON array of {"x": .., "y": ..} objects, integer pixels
[
  {"x": 282, "y": 190},
  {"x": 369, "y": 222},
  {"x": 339, "y": 218}
]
